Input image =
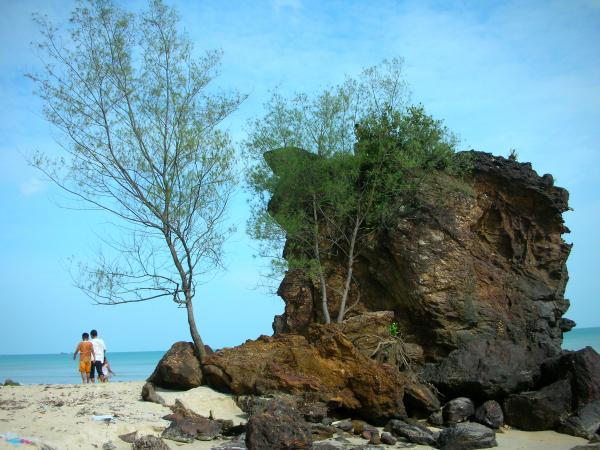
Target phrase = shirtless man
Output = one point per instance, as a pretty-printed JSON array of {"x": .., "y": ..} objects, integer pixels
[{"x": 86, "y": 355}]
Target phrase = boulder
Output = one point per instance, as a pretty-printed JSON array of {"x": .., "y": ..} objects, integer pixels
[
  {"x": 149, "y": 443},
  {"x": 485, "y": 369},
  {"x": 490, "y": 414},
  {"x": 584, "y": 423},
  {"x": 414, "y": 432},
  {"x": 277, "y": 426},
  {"x": 321, "y": 367},
  {"x": 465, "y": 436},
  {"x": 539, "y": 410},
  {"x": 178, "y": 369},
  {"x": 458, "y": 410},
  {"x": 582, "y": 367}
]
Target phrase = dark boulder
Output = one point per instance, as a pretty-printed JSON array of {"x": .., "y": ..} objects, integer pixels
[
  {"x": 414, "y": 432},
  {"x": 484, "y": 369},
  {"x": 149, "y": 443},
  {"x": 466, "y": 436},
  {"x": 490, "y": 414},
  {"x": 582, "y": 367},
  {"x": 178, "y": 369},
  {"x": 584, "y": 423},
  {"x": 458, "y": 410},
  {"x": 277, "y": 426},
  {"x": 539, "y": 410}
]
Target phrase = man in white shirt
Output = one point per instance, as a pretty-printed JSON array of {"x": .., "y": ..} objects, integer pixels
[{"x": 99, "y": 354}]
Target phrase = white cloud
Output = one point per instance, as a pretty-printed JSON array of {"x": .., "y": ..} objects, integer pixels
[{"x": 32, "y": 187}]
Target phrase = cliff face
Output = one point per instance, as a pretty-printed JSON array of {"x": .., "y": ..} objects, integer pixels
[{"x": 482, "y": 259}]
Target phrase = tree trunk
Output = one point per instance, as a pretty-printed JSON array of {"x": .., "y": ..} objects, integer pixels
[
  {"x": 350, "y": 268},
  {"x": 324, "y": 306},
  {"x": 326, "y": 316},
  {"x": 198, "y": 343}
]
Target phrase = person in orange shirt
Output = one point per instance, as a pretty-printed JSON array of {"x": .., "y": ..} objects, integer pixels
[{"x": 86, "y": 354}]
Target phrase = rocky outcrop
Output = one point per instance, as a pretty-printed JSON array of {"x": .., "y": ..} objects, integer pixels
[
  {"x": 178, "y": 368},
  {"x": 475, "y": 274},
  {"x": 322, "y": 366}
]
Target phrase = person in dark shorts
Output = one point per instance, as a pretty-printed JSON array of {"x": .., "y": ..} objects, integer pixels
[{"x": 99, "y": 355}]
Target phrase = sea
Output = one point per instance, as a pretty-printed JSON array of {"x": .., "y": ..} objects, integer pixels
[
  {"x": 62, "y": 369},
  {"x": 137, "y": 366}
]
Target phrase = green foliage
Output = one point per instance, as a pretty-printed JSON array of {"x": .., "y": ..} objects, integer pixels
[
  {"x": 329, "y": 171},
  {"x": 394, "y": 329}
]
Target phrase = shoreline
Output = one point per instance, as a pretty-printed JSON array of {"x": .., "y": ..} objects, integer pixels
[{"x": 61, "y": 416}]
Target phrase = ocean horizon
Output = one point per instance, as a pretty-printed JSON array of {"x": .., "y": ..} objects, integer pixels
[{"x": 137, "y": 366}]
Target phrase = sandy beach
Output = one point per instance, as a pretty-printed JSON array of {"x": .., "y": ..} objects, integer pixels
[{"x": 62, "y": 417}]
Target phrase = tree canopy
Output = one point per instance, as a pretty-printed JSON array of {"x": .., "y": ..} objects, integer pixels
[{"x": 331, "y": 170}]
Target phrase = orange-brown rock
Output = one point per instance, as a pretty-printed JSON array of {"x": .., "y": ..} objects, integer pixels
[{"x": 322, "y": 366}]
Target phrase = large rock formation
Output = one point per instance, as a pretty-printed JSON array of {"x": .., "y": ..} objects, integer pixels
[
  {"x": 480, "y": 263},
  {"x": 474, "y": 276}
]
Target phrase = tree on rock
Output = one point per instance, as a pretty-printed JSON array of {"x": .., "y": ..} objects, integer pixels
[
  {"x": 328, "y": 172},
  {"x": 141, "y": 140}
]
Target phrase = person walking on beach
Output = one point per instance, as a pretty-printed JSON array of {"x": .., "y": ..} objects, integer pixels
[
  {"x": 86, "y": 356},
  {"x": 99, "y": 355}
]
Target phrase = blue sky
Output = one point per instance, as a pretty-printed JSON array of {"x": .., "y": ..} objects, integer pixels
[{"x": 523, "y": 75}]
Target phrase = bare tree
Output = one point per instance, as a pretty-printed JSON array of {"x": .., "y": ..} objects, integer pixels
[{"x": 141, "y": 139}]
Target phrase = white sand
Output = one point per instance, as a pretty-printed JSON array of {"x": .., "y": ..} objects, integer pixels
[{"x": 61, "y": 416}]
